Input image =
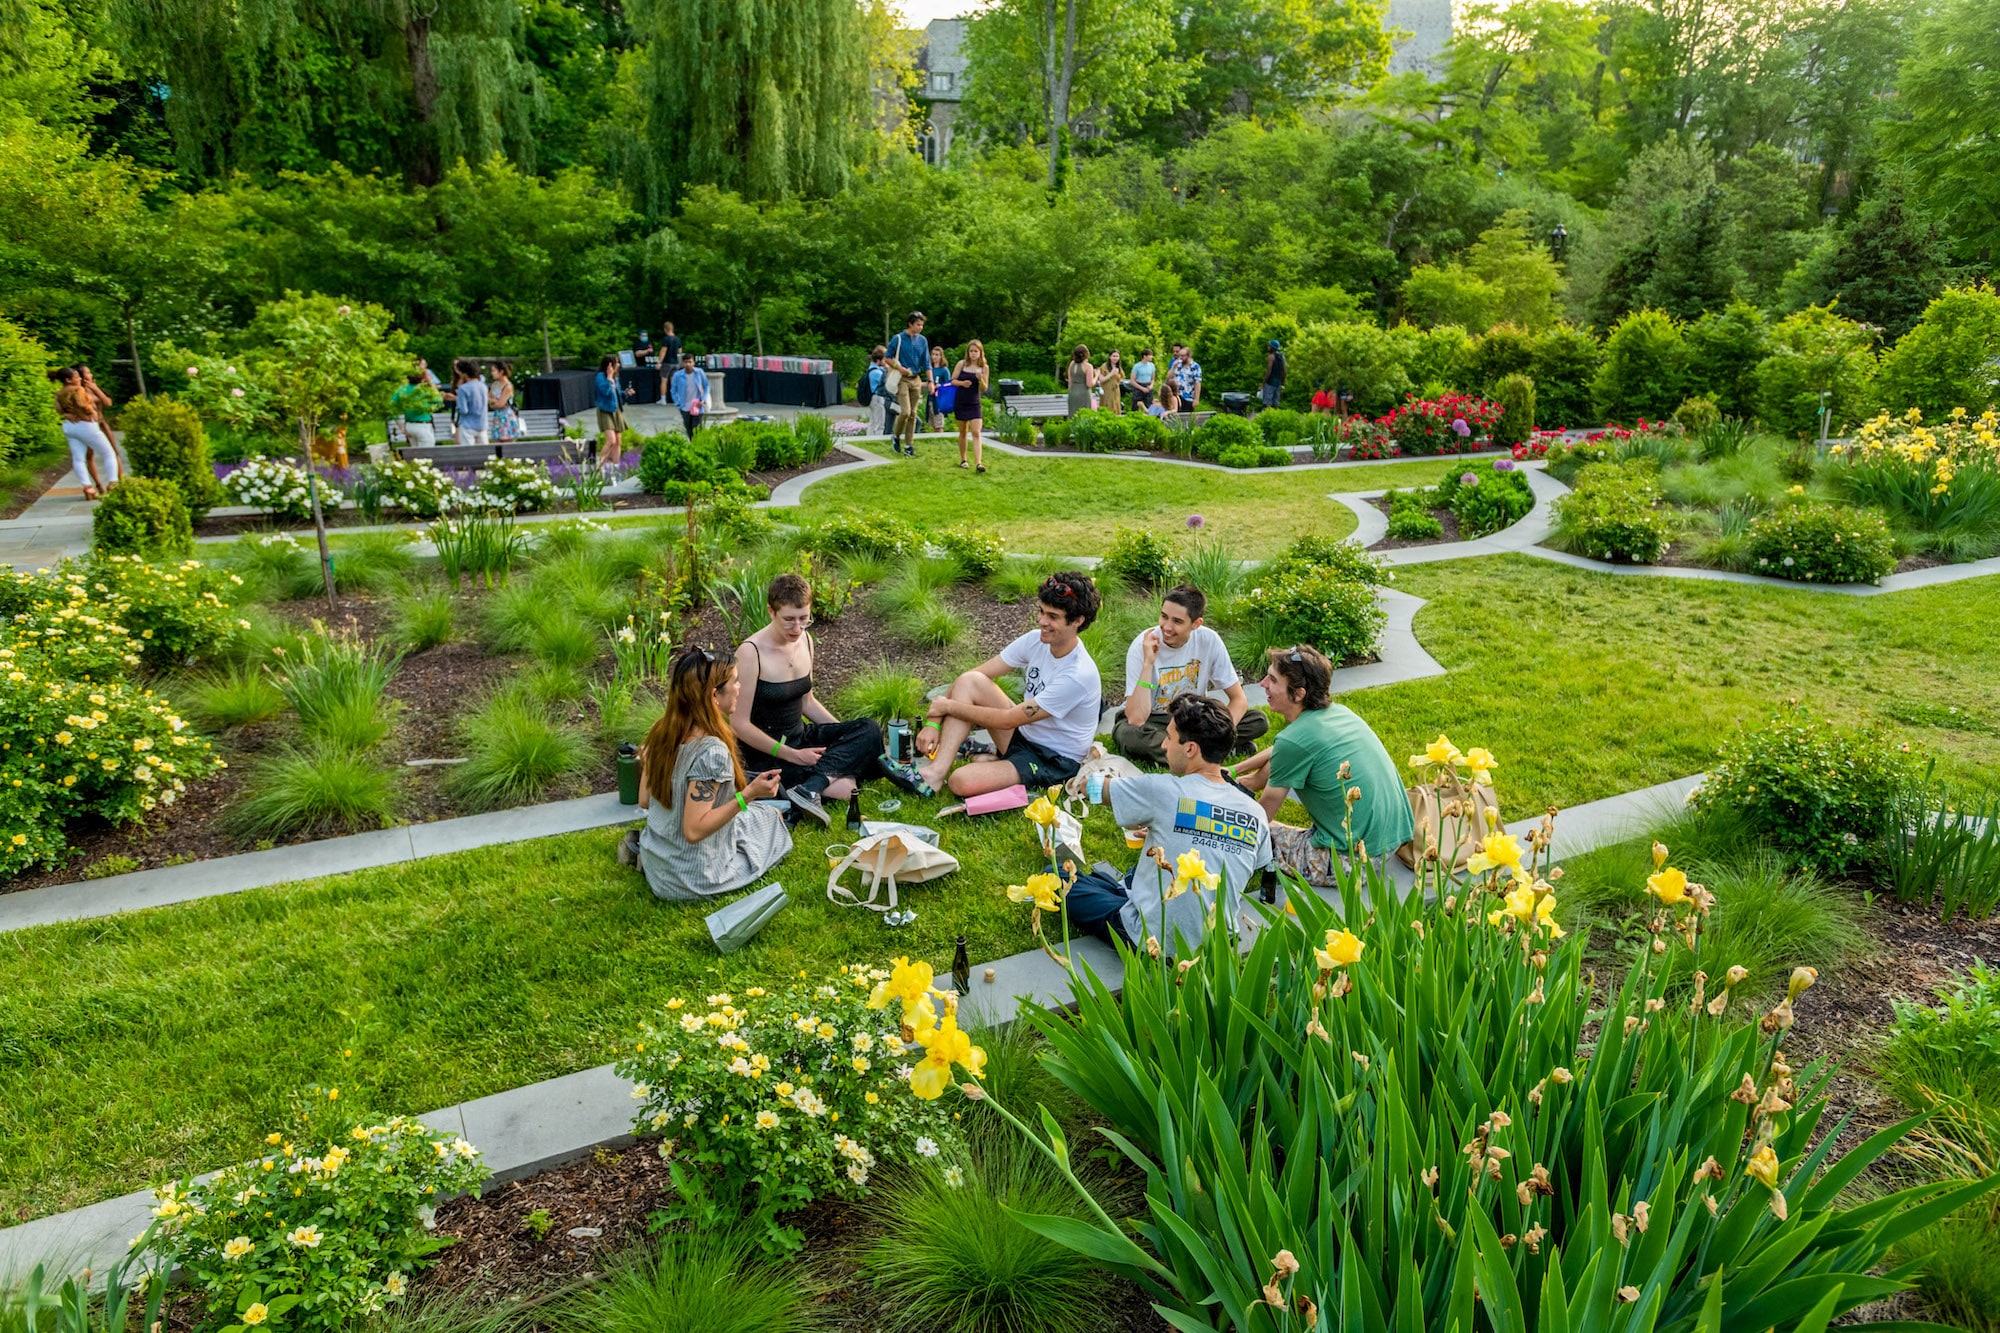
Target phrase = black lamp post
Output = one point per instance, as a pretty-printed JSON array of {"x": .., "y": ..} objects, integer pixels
[{"x": 1559, "y": 242}]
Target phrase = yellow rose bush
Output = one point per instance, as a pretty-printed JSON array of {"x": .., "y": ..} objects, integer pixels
[
  {"x": 1419, "y": 1111},
  {"x": 324, "y": 1227},
  {"x": 764, "y": 1100},
  {"x": 80, "y": 736}
]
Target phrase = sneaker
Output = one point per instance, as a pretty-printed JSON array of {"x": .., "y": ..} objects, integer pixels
[
  {"x": 905, "y": 776},
  {"x": 975, "y": 749},
  {"x": 628, "y": 848},
  {"x": 809, "y": 803}
]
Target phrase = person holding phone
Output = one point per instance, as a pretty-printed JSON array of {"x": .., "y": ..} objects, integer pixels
[{"x": 705, "y": 834}]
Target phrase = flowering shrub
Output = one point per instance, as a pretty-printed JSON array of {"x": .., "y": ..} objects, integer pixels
[
  {"x": 1938, "y": 478},
  {"x": 1450, "y": 423},
  {"x": 514, "y": 486},
  {"x": 1822, "y": 543},
  {"x": 1612, "y": 515},
  {"x": 791, "y": 1094},
  {"x": 1584, "y": 1158},
  {"x": 417, "y": 486},
  {"x": 1137, "y": 558},
  {"x": 1487, "y": 500},
  {"x": 1537, "y": 445},
  {"x": 271, "y": 484},
  {"x": 849, "y": 429},
  {"x": 326, "y": 1228},
  {"x": 1334, "y": 555},
  {"x": 1811, "y": 789},
  {"x": 174, "y": 609},
  {"x": 1338, "y": 615}
]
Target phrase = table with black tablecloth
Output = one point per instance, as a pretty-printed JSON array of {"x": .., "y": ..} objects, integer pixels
[
  {"x": 643, "y": 381},
  {"x": 570, "y": 392},
  {"x": 794, "y": 390}
]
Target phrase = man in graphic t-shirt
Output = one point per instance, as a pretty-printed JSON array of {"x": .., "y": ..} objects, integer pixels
[
  {"x": 1194, "y": 810},
  {"x": 1177, "y": 657},
  {"x": 1043, "y": 739}
]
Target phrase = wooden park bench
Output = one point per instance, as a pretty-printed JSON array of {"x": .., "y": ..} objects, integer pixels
[{"x": 459, "y": 456}]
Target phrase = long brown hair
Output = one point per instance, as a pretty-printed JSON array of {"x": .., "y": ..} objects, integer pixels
[{"x": 691, "y": 706}]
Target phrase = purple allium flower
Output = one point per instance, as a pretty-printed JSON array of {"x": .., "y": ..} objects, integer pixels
[
  {"x": 1469, "y": 479},
  {"x": 1458, "y": 424},
  {"x": 1503, "y": 465},
  {"x": 1196, "y": 520}
]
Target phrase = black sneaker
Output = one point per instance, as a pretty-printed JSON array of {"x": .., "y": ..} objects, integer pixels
[{"x": 809, "y": 803}]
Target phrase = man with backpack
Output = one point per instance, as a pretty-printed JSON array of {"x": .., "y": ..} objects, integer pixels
[
  {"x": 909, "y": 355},
  {"x": 868, "y": 393}
]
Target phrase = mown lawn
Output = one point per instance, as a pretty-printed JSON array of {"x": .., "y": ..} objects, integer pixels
[
  {"x": 145, "y": 1046},
  {"x": 1071, "y": 505}
]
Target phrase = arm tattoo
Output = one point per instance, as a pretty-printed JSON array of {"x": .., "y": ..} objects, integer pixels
[
  {"x": 715, "y": 791},
  {"x": 1032, "y": 709}
]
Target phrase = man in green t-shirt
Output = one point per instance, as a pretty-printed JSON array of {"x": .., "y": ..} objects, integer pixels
[
  {"x": 416, "y": 402},
  {"x": 1324, "y": 751}
]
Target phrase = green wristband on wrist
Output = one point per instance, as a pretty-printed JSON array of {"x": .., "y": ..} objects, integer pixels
[
  {"x": 742, "y": 804},
  {"x": 777, "y": 745}
]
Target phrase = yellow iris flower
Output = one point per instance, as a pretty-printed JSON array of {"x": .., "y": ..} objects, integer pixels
[
  {"x": 1042, "y": 812},
  {"x": 1438, "y": 754},
  {"x": 1669, "y": 886},
  {"x": 907, "y": 982},
  {"x": 944, "y": 1046},
  {"x": 1480, "y": 764},
  {"x": 1763, "y": 1167},
  {"x": 1044, "y": 890},
  {"x": 1342, "y": 947},
  {"x": 1498, "y": 850},
  {"x": 1191, "y": 872}
]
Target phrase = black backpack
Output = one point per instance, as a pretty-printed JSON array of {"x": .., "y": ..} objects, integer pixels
[{"x": 863, "y": 395}]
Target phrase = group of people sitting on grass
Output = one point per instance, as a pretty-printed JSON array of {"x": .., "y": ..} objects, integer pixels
[{"x": 745, "y": 748}]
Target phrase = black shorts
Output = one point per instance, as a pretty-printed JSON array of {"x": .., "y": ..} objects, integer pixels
[{"x": 1038, "y": 765}]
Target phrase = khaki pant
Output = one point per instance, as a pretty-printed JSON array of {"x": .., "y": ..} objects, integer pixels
[{"x": 909, "y": 408}]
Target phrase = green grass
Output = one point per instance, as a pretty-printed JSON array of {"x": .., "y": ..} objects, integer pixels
[
  {"x": 320, "y": 789},
  {"x": 424, "y": 620},
  {"x": 515, "y": 752},
  {"x": 20, "y": 477},
  {"x": 1584, "y": 684},
  {"x": 233, "y": 695},
  {"x": 705, "y": 1281},
  {"x": 155, "y": 1043},
  {"x": 1068, "y": 506}
]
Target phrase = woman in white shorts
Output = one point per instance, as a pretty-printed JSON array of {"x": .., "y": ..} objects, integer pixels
[{"x": 81, "y": 405}]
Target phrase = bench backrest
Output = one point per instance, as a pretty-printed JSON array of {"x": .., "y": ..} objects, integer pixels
[
  {"x": 541, "y": 451},
  {"x": 452, "y": 455},
  {"x": 541, "y": 424},
  {"x": 1038, "y": 405}
]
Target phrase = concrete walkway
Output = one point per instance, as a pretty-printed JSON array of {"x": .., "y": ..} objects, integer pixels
[{"x": 531, "y": 1129}]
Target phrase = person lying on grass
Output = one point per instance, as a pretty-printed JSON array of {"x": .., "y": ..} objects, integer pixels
[
  {"x": 1041, "y": 740},
  {"x": 705, "y": 834},
  {"x": 1178, "y": 657},
  {"x": 1196, "y": 809},
  {"x": 777, "y": 715},
  {"x": 1325, "y": 752}
]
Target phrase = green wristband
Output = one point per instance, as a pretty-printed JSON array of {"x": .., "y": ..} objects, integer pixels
[
  {"x": 777, "y": 745},
  {"x": 742, "y": 804}
]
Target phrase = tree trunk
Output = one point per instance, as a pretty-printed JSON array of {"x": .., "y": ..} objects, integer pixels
[
  {"x": 308, "y": 431},
  {"x": 132, "y": 343},
  {"x": 757, "y": 324},
  {"x": 548, "y": 357},
  {"x": 424, "y": 165}
]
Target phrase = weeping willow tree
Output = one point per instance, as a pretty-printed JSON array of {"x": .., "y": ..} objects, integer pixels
[
  {"x": 393, "y": 85},
  {"x": 768, "y": 98}
]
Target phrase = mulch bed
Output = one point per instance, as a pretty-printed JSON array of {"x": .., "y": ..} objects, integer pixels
[
  {"x": 1445, "y": 517},
  {"x": 439, "y": 685}
]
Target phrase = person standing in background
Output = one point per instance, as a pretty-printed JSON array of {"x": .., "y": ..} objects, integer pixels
[
  {"x": 506, "y": 420},
  {"x": 417, "y": 402},
  {"x": 608, "y": 397},
  {"x": 81, "y": 405},
  {"x": 689, "y": 389},
  {"x": 1111, "y": 382},
  {"x": 469, "y": 394},
  {"x": 910, "y": 355},
  {"x": 940, "y": 374},
  {"x": 430, "y": 378},
  {"x": 1187, "y": 378},
  {"x": 670, "y": 347},
  {"x": 1080, "y": 377},
  {"x": 878, "y": 402},
  {"x": 1273, "y": 387},
  {"x": 969, "y": 379}
]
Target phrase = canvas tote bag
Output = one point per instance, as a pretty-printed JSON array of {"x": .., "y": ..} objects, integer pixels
[
  {"x": 885, "y": 860},
  {"x": 1456, "y": 836}
]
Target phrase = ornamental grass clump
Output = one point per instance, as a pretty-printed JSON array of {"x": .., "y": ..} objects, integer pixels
[
  {"x": 796, "y": 1092},
  {"x": 1411, "y": 1111},
  {"x": 328, "y": 1226}
]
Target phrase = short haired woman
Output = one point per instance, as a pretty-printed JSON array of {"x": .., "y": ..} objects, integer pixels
[
  {"x": 1081, "y": 377},
  {"x": 778, "y": 717},
  {"x": 81, "y": 405},
  {"x": 969, "y": 379},
  {"x": 705, "y": 834}
]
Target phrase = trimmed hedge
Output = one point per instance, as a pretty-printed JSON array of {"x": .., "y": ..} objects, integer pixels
[
  {"x": 1516, "y": 396},
  {"x": 164, "y": 439},
  {"x": 143, "y": 516}
]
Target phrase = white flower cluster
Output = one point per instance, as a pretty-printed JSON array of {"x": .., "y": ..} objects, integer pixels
[
  {"x": 270, "y": 484},
  {"x": 513, "y": 486},
  {"x": 416, "y": 485}
]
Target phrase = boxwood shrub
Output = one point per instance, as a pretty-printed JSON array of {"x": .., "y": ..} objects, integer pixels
[
  {"x": 164, "y": 439},
  {"x": 1221, "y": 433},
  {"x": 1611, "y": 515},
  {"x": 143, "y": 515},
  {"x": 1822, "y": 543}
]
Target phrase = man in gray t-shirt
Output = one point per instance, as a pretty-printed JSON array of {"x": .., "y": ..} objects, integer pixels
[{"x": 1194, "y": 810}]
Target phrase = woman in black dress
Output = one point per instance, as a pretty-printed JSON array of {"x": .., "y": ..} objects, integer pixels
[{"x": 969, "y": 377}]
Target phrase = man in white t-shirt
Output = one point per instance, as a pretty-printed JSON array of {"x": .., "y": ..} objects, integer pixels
[
  {"x": 1043, "y": 739},
  {"x": 1179, "y": 656},
  {"x": 1196, "y": 810}
]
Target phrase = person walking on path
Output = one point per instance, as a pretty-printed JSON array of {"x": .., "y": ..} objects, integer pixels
[
  {"x": 910, "y": 358},
  {"x": 689, "y": 390},
  {"x": 940, "y": 376},
  {"x": 878, "y": 401},
  {"x": 670, "y": 346},
  {"x": 1081, "y": 377},
  {"x": 968, "y": 377},
  {"x": 81, "y": 405},
  {"x": 608, "y": 396},
  {"x": 472, "y": 413},
  {"x": 416, "y": 402},
  {"x": 1111, "y": 380},
  {"x": 1273, "y": 387}
]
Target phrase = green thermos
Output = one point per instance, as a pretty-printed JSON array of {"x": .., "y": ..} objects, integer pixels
[{"x": 628, "y": 774}]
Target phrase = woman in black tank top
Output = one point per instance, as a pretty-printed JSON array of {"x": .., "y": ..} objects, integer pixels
[{"x": 780, "y": 718}]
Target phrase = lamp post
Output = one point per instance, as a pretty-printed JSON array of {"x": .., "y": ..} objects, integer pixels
[{"x": 1558, "y": 242}]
